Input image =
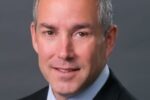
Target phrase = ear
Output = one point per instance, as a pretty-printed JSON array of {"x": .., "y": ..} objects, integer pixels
[
  {"x": 110, "y": 37},
  {"x": 34, "y": 36}
]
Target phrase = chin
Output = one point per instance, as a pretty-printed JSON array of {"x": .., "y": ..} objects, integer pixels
[{"x": 68, "y": 89}]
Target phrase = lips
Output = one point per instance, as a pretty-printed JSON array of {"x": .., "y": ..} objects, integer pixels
[{"x": 66, "y": 70}]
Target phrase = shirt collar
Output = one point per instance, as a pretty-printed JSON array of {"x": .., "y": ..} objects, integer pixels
[{"x": 91, "y": 91}]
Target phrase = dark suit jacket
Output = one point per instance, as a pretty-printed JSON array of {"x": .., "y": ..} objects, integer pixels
[{"x": 112, "y": 90}]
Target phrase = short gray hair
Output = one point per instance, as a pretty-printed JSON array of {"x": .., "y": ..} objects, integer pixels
[{"x": 104, "y": 13}]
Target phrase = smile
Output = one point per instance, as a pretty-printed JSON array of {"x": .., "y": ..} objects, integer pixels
[{"x": 67, "y": 70}]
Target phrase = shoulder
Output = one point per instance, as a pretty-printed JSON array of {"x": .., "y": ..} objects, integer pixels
[
  {"x": 39, "y": 95},
  {"x": 113, "y": 90}
]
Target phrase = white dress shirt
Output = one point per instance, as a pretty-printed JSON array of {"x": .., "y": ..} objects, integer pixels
[{"x": 91, "y": 91}]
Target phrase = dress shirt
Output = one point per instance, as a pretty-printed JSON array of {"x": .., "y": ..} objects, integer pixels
[{"x": 91, "y": 91}]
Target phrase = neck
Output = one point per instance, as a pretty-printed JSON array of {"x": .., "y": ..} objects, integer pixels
[{"x": 60, "y": 96}]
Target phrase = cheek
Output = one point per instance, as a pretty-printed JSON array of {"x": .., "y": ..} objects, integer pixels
[
  {"x": 45, "y": 49},
  {"x": 86, "y": 52},
  {"x": 45, "y": 53},
  {"x": 92, "y": 54}
]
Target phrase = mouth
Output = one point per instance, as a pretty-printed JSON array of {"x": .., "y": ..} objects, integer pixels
[
  {"x": 66, "y": 70},
  {"x": 66, "y": 74}
]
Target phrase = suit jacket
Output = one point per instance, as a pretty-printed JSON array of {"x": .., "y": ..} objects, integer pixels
[{"x": 112, "y": 90}]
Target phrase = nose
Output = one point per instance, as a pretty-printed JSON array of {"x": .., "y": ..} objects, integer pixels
[{"x": 66, "y": 51}]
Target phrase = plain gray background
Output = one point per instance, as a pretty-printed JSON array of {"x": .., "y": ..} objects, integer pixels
[{"x": 19, "y": 73}]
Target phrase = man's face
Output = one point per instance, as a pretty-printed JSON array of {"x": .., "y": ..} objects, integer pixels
[{"x": 70, "y": 44}]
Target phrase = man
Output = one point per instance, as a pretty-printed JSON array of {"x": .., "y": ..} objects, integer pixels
[{"x": 73, "y": 40}]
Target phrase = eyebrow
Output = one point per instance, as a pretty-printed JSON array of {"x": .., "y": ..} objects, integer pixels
[
  {"x": 74, "y": 27},
  {"x": 82, "y": 26},
  {"x": 47, "y": 26}
]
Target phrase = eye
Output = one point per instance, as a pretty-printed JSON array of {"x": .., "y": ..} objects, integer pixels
[
  {"x": 82, "y": 34},
  {"x": 50, "y": 32}
]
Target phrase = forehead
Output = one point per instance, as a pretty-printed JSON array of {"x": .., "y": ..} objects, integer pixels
[
  {"x": 66, "y": 12},
  {"x": 86, "y": 5},
  {"x": 73, "y": 1}
]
